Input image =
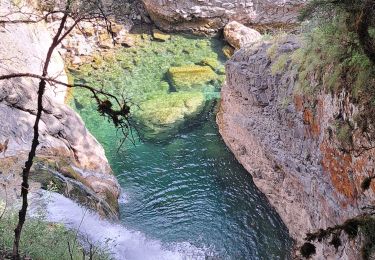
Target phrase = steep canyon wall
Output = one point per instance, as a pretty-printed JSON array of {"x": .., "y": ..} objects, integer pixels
[
  {"x": 64, "y": 140},
  {"x": 288, "y": 142}
]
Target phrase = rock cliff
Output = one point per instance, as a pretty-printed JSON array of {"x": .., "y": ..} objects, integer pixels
[
  {"x": 287, "y": 141},
  {"x": 210, "y": 15},
  {"x": 63, "y": 136}
]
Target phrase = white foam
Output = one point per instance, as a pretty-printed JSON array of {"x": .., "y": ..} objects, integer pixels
[
  {"x": 123, "y": 244},
  {"x": 124, "y": 198}
]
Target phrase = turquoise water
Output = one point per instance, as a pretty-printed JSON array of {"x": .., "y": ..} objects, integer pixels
[{"x": 190, "y": 189}]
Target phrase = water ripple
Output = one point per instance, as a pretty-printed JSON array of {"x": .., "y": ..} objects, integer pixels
[{"x": 193, "y": 190}]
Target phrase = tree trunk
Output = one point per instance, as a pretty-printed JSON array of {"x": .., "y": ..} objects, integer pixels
[
  {"x": 35, "y": 142},
  {"x": 26, "y": 171}
]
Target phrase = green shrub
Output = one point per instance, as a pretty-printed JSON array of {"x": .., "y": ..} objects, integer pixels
[
  {"x": 344, "y": 133},
  {"x": 272, "y": 51},
  {"x": 280, "y": 64},
  {"x": 331, "y": 54}
]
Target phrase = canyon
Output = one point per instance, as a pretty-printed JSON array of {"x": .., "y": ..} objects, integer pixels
[{"x": 285, "y": 139}]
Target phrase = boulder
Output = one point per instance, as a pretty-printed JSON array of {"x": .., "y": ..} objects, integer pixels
[
  {"x": 191, "y": 77},
  {"x": 160, "y": 36},
  {"x": 164, "y": 115},
  {"x": 239, "y": 35},
  {"x": 128, "y": 41}
]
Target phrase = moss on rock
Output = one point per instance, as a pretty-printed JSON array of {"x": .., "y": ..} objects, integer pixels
[
  {"x": 148, "y": 71},
  {"x": 191, "y": 77},
  {"x": 160, "y": 36},
  {"x": 165, "y": 114}
]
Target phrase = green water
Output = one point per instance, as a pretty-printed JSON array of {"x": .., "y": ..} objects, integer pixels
[{"x": 188, "y": 188}]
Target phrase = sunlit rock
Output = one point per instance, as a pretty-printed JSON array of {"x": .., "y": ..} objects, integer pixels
[
  {"x": 210, "y": 16},
  {"x": 164, "y": 114},
  {"x": 239, "y": 35},
  {"x": 160, "y": 36},
  {"x": 191, "y": 77}
]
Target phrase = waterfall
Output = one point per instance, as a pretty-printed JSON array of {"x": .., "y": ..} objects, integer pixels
[{"x": 116, "y": 238}]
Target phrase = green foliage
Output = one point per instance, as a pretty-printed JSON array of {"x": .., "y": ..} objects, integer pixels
[
  {"x": 326, "y": 9},
  {"x": 277, "y": 39},
  {"x": 344, "y": 133},
  {"x": 284, "y": 103},
  {"x": 266, "y": 36},
  {"x": 332, "y": 56},
  {"x": 280, "y": 64},
  {"x": 43, "y": 241},
  {"x": 338, "y": 56},
  {"x": 368, "y": 248},
  {"x": 272, "y": 51}
]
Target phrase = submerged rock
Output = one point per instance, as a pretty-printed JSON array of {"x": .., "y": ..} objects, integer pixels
[
  {"x": 191, "y": 77},
  {"x": 158, "y": 77},
  {"x": 165, "y": 114},
  {"x": 215, "y": 64},
  {"x": 239, "y": 35},
  {"x": 160, "y": 36}
]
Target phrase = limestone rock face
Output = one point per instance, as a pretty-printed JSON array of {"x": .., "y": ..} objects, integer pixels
[
  {"x": 288, "y": 146},
  {"x": 211, "y": 15},
  {"x": 23, "y": 48},
  {"x": 238, "y": 35}
]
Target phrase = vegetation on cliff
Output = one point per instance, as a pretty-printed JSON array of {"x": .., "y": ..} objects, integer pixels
[
  {"x": 339, "y": 57},
  {"x": 336, "y": 62}
]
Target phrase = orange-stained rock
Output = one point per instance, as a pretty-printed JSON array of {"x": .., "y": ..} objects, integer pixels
[
  {"x": 292, "y": 149},
  {"x": 339, "y": 167}
]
